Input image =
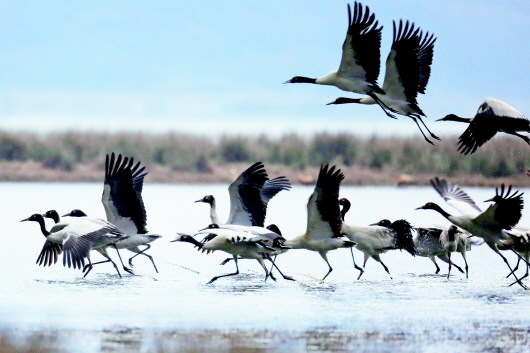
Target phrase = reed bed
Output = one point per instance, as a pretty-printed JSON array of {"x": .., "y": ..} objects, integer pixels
[{"x": 173, "y": 157}]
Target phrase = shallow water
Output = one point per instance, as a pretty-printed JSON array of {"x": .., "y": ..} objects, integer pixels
[{"x": 176, "y": 310}]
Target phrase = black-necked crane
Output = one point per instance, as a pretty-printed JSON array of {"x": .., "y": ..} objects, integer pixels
[
  {"x": 374, "y": 240},
  {"x": 504, "y": 214},
  {"x": 408, "y": 68},
  {"x": 519, "y": 241},
  {"x": 272, "y": 237},
  {"x": 78, "y": 214},
  {"x": 360, "y": 62},
  {"x": 78, "y": 238},
  {"x": 454, "y": 239},
  {"x": 427, "y": 244},
  {"x": 249, "y": 194},
  {"x": 324, "y": 222},
  {"x": 124, "y": 206},
  {"x": 50, "y": 251},
  {"x": 492, "y": 116},
  {"x": 241, "y": 242}
]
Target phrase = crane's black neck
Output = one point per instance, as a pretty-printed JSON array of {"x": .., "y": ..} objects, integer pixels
[
  {"x": 307, "y": 79},
  {"x": 451, "y": 233},
  {"x": 55, "y": 217},
  {"x": 302, "y": 79},
  {"x": 441, "y": 211},
  {"x": 346, "y": 205},
  {"x": 345, "y": 100},
  {"x": 453, "y": 117},
  {"x": 43, "y": 229}
]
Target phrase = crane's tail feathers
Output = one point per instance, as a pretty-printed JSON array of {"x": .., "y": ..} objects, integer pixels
[
  {"x": 404, "y": 239},
  {"x": 349, "y": 243}
]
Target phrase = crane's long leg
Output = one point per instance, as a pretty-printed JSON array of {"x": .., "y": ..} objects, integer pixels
[
  {"x": 419, "y": 127},
  {"x": 273, "y": 261},
  {"x": 267, "y": 274},
  {"x": 387, "y": 110},
  {"x": 435, "y": 264},
  {"x": 355, "y": 265},
  {"x": 230, "y": 274},
  {"x": 90, "y": 265},
  {"x": 446, "y": 260},
  {"x": 272, "y": 265},
  {"x": 383, "y": 106},
  {"x": 426, "y": 128},
  {"x": 366, "y": 257},
  {"x": 527, "y": 269},
  {"x": 519, "y": 257},
  {"x": 325, "y": 257},
  {"x": 449, "y": 271},
  {"x": 465, "y": 262},
  {"x": 517, "y": 280},
  {"x": 126, "y": 269},
  {"x": 142, "y": 252},
  {"x": 289, "y": 278},
  {"x": 527, "y": 265},
  {"x": 515, "y": 268},
  {"x": 525, "y": 138},
  {"x": 378, "y": 259},
  {"x": 104, "y": 253}
]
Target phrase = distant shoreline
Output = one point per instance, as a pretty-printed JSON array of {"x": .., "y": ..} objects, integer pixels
[
  {"x": 31, "y": 171},
  {"x": 178, "y": 158}
]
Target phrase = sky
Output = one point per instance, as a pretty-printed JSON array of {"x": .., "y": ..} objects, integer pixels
[{"x": 217, "y": 67}]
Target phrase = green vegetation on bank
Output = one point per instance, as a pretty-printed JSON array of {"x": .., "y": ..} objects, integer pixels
[{"x": 500, "y": 158}]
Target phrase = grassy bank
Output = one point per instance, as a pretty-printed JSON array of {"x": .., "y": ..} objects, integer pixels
[
  {"x": 40, "y": 342},
  {"x": 73, "y": 156}
]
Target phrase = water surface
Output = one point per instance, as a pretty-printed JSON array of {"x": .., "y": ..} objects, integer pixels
[{"x": 176, "y": 310}]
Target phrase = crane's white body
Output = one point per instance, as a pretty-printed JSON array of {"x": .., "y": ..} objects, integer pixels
[
  {"x": 354, "y": 81},
  {"x": 371, "y": 240}
]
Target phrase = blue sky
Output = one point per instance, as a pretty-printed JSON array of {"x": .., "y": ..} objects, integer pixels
[{"x": 217, "y": 67}]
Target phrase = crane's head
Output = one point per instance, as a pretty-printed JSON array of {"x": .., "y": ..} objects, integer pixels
[
  {"x": 209, "y": 199},
  {"x": 346, "y": 204},
  {"x": 453, "y": 117},
  {"x": 301, "y": 79},
  {"x": 428, "y": 206},
  {"x": 36, "y": 217},
  {"x": 382, "y": 223},
  {"x": 75, "y": 213},
  {"x": 53, "y": 215}
]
